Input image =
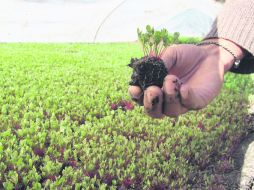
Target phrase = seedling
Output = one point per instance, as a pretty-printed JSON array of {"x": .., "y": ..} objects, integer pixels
[
  {"x": 150, "y": 70},
  {"x": 123, "y": 104}
]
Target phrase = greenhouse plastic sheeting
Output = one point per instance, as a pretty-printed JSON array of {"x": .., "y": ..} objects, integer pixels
[{"x": 101, "y": 20}]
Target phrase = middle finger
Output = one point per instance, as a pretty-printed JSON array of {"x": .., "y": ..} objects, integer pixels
[{"x": 153, "y": 98}]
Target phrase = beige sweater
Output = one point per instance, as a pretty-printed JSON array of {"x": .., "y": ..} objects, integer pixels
[{"x": 236, "y": 23}]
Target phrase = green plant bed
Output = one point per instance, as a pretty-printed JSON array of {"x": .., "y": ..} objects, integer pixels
[
  {"x": 66, "y": 121},
  {"x": 189, "y": 40}
]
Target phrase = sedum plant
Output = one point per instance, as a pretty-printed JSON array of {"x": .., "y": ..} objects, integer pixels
[
  {"x": 57, "y": 132},
  {"x": 150, "y": 69}
]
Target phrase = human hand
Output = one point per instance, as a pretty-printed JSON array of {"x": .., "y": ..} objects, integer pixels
[{"x": 195, "y": 78}]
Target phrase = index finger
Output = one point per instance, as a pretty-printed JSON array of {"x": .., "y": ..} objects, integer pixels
[{"x": 136, "y": 94}]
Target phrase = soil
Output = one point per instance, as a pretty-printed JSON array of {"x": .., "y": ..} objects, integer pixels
[{"x": 147, "y": 71}]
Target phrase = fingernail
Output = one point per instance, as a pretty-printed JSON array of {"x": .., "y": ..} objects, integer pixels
[{"x": 155, "y": 100}]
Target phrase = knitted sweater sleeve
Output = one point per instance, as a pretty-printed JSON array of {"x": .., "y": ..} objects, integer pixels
[{"x": 236, "y": 23}]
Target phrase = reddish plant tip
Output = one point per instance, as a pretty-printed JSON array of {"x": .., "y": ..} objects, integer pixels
[
  {"x": 73, "y": 163},
  {"x": 223, "y": 136},
  {"x": 113, "y": 106},
  {"x": 124, "y": 105},
  {"x": 129, "y": 106},
  {"x": 91, "y": 174},
  {"x": 10, "y": 167},
  {"x": 159, "y": 187},
  {"x": 52, "y": 177},
  {"x": 108, "y": 178},
  {"x": 62, "y": 149},
  {"x": 20, "y": 178},
  {"x": 121, "y": 103},
  {"x": 225, "y": 167},
  {"x": 39, "y": 152},
  {"x": 17, "y": 126},
  {"x": 127, "y": 182},
  {"x": 201, "y": 126}
]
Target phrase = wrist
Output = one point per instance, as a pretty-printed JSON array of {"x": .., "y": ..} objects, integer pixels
[{"x": 226, "y": 51}]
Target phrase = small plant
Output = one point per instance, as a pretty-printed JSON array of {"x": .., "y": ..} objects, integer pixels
[
  {"x": 153, "y": 41},
  {"x": 123, "y": 104},
  {"x": 150, "y": 69}
]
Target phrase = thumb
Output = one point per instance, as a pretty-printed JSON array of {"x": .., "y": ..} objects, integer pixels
[{"x": 169, "y": 56}]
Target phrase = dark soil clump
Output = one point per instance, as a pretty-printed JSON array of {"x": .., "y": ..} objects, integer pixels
[{"x": 147, "y": 71}]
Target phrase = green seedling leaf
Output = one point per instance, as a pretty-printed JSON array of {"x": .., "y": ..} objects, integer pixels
[{"x": 154, "y": 42}]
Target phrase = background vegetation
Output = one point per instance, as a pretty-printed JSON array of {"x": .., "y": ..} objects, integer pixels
[{"x": 59, "y": 128}]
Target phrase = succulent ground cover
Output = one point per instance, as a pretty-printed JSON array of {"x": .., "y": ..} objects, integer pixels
[{"x": 66, "y": 122}]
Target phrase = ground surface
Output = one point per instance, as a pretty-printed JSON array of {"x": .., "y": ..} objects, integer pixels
[
  {"x": 66, "y": 118},
  {"x": 100, "y": 20}
]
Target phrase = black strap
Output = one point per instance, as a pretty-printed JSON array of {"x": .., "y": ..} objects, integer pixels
[{"x": 246, "y": 66}]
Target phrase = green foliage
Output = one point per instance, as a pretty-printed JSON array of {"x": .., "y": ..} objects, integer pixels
[
  {"x": 156, "y": 41},
  {"x": 57, "y": 130},
  {"x": 189, "y": 40}
]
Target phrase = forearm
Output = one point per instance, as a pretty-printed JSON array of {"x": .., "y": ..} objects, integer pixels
[{"x": 236, "y": 23}]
